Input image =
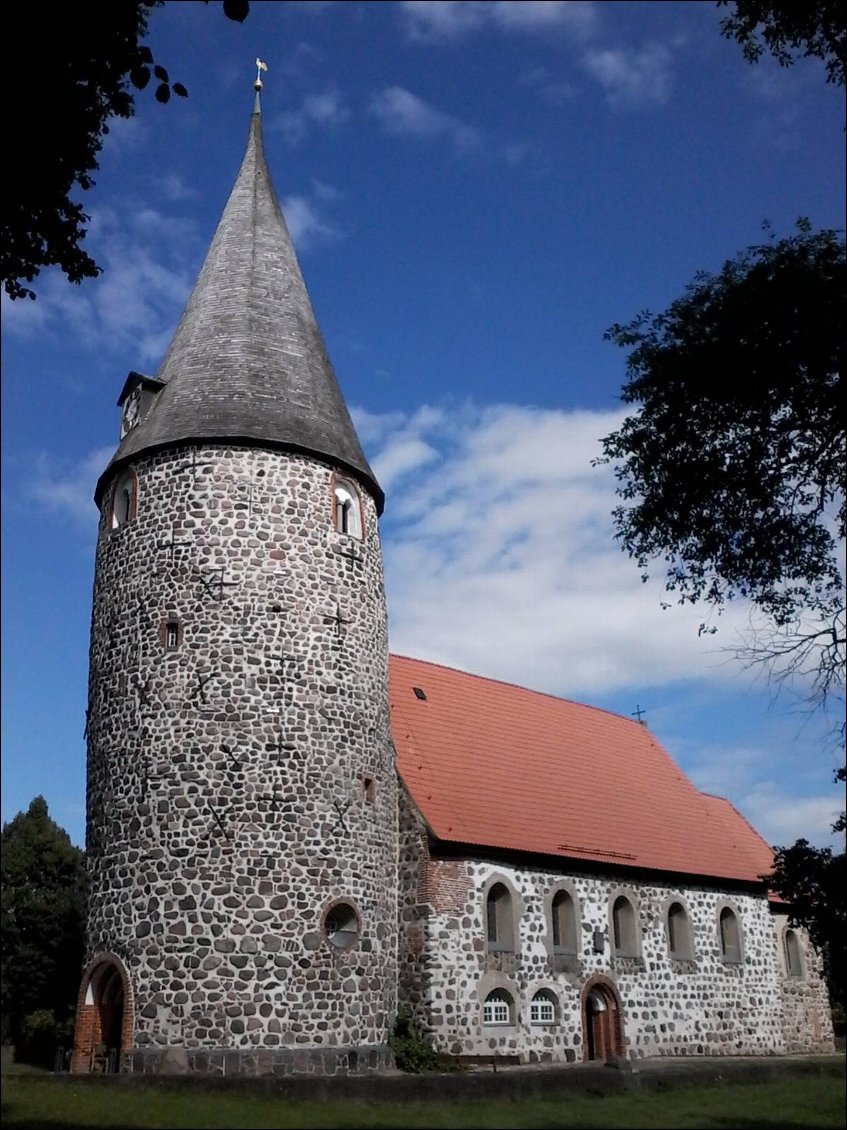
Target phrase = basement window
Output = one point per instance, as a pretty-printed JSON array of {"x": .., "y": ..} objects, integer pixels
[{"x": 498, "y": 1008}]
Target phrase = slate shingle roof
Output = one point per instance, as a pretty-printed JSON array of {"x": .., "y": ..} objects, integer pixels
[
  {"x": 499, "y": 766},
  {"x": 247, "y": 361}
]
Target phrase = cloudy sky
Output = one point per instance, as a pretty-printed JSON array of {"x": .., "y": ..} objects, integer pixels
[{"x": 476, "y": 192}]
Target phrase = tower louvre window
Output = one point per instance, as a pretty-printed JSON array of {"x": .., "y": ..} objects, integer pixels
[
  {"x": 348, "y": 508},
  {"x": 124, "y": 500}
]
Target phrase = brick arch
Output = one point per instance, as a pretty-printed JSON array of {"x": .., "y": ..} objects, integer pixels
[
  {"x": 603, "y": 1037},
  {"x": 104, "y": 989}
]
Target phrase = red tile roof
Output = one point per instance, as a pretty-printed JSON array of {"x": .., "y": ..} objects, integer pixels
[{"x": 498, "y": 766}]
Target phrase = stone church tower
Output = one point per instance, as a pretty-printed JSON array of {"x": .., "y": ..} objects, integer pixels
[{"x": 242, "y": 798}]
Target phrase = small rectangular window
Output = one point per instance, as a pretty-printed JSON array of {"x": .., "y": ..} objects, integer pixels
[{"x": 171, "y": 634}]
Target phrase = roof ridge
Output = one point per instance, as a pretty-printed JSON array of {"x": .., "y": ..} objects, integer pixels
[{"x": 528, "y": 690}]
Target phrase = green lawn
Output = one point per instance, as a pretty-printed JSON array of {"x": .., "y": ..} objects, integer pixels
[{"x": 47, "y": 1104}]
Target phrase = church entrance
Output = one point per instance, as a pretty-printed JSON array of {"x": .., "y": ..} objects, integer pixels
[
  {"x": 602, "y": 1021},
  {"x": 101, "y": 1019}
]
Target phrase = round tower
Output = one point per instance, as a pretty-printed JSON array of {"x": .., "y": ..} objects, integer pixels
[{"x": 242, "y": 798}]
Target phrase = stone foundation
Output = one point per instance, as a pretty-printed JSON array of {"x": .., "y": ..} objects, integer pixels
[{"x": 273, "y": 1061}]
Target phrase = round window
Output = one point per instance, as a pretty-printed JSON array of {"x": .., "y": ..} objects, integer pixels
[{"x": 341, "y": 925}]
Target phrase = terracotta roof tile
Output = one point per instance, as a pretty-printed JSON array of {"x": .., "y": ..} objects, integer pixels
[{"x": 496, "y": 765}]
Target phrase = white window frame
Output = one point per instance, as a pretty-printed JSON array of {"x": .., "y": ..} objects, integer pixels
[
  {"x": 497, "y": 1009},
  {"x": 542, "y": 1008},
  {"x": 348, "y": 509}
]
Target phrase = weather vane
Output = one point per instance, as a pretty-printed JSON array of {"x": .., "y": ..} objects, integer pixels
[{"x": 260, "y": 66}]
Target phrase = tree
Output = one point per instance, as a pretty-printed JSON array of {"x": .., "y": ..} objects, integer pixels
[
  {"x": 42, "y": 916},
  {"x": 733, "y": 469},
  {"x": 786, "y": 28},
  {"x": 812, "y": 880},
  {"x": 63, "y": 83}
]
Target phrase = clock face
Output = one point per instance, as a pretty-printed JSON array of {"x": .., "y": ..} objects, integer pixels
[{"x": 130, "y": 411}]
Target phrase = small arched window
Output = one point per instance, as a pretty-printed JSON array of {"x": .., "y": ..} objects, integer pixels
[
  {"x": 564, "y": 924},
  {"x": 124, "y": 500},
  {"x": 348, "y": 509},
  {"x": 730, "y": 935},
  {"x": 679, "y": 933},
  {"x": 543, "y": 1008},
  {"x": 623, "y": 928},
  {"x": 499, "y": 923},
  {"x": 341, "y": 926},
  {"x": 793, "y": 954},
  {"x": 498, "y": 1008}
]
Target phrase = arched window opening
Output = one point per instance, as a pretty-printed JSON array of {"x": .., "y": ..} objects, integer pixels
[
  {"x": 793, "y": 954},
  {"x": 498, "y": 1008},
  {"x": 500, "y": 930},
  {"x": 542, "y": 1008},
  {"x": 564, "y": 924},
  {"x": 341, "y": 926},
  {"x": 124, "y": 500},
  {"x": 679, "y": 933},
  {"x": 348, "y": 509},
  {"x": 730, "y": 936},
  {"x": 623, "y": 927}
]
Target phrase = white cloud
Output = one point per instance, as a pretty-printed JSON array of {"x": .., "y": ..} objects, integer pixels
[
  {"x": 781, "y": 817},
  {"x": 551, "y": 89},
  {"x": 324, "y": 110},
  {"x": 68, "y": 491},
  {"x": 500, "y": 555},
  {"x": 307, "y": 225},
  {"x": 134, "y": 302},
  {"x": 430, "y": 20},
  {"x": 173, "y": 187},
  {"x": 632, "y": 77},
  {"x": 149, "y": 261},
  {"x": 400, "y": 112}
]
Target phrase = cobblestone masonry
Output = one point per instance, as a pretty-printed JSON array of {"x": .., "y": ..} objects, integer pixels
[
  {"x": 240, "y": 767},
  {"x": 702, "y": 1006}
]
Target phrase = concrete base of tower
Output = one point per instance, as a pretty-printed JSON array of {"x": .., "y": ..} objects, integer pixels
[{"x": 364, "y": 1060}]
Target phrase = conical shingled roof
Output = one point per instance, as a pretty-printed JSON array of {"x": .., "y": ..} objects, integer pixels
[{"x": 247, "y": 361}]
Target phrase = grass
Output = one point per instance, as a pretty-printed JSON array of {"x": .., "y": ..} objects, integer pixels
[{"x": 792, "y": 1102}]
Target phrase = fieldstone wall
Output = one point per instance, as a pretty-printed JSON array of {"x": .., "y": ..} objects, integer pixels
[
  {"x": 701, "y": 1006},
  {"x": 806, "y": 1013},
  {"x": 240, "y": 769}
]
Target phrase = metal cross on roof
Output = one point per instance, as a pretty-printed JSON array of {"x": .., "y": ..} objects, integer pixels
[{"x": 639, "y": 714}]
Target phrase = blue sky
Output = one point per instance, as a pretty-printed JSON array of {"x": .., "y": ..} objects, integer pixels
[{"x": 476, "y": 192}]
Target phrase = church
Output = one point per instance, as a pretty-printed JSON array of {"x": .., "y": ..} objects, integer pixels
[{"x": 293, "y": 835}]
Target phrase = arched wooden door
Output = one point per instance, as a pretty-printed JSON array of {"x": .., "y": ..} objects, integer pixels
[{"x": 602, "y": 1021}]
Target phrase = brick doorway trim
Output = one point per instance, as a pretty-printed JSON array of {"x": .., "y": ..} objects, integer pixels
[
  {"x": 105, "y": 1021},
  {"x": 602, "y": 1020}
]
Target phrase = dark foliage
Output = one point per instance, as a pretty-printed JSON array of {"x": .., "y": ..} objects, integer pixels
[
  {"x": 732, "y": 471},
  {"x": 42, "y": 917},
  {"x": 67, "y": 71},
  {"x": 412, "y": 1051},
  {"x": 791, "y": 28}
]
